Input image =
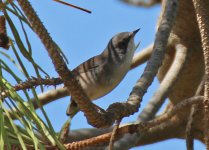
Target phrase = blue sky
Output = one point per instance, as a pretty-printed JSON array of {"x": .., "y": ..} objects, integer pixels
[{"x": 81, "y": 35}]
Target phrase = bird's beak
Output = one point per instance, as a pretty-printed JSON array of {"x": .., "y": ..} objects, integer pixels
[{"x": 134, "y": 32}]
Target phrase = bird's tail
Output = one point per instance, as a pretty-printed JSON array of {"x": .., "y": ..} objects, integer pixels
[{"x": 72, "y": 109}]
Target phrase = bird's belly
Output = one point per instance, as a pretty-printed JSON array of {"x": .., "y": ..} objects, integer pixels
[{"x": 106, "y": 83}]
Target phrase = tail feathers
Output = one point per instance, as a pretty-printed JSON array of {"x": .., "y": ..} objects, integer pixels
[{"x": 72, "y": 109}]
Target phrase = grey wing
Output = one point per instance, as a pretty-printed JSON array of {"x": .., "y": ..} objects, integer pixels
[{"x": 89, "y": 65}]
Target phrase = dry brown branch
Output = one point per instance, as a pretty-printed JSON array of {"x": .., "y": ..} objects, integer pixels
[
  {"x": 149, "y": 136},
  {"x": 203, "y": 24},
  {"x": 87, "y": 133},
  {"x": 33, "y": 82},
  {"x": 139, "y": 127},
  {"x": 68, "y": 4},
  {"x": 166, "y": 85},
  {"x": 114, "y": 132},
  {"x": 189, "y": 136}
]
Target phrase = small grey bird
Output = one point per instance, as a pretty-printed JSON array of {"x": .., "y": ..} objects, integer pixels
[{"x": 101, "y": 74}]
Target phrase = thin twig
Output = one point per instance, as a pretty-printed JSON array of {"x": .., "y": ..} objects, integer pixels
[
  {"x": 193, "y": 113},
  {"x": 63, "y": 135},
  {"x": 114, "y": 132},
  {"x": 71, "y": 5},
  {"x": 33, "y": 82}
]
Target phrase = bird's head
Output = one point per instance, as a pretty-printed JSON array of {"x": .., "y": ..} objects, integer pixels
[{"x": 123, "y": 42}]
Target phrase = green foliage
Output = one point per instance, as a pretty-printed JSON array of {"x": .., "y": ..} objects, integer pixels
[{"x": 29, "y": 130}]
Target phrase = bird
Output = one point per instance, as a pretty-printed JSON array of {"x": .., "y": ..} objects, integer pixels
[{"x": 100, "y": 74}]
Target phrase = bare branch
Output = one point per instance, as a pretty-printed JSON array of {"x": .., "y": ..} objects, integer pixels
[
  {"x": 68, "y": 4},
  {"x": 149, "y": 136},
  {"x": 82, "y": 134},
  {"x": 193, "y": 113},
  {"x": 114, "y": 132},
  {"x": 166, "y": 85},
  {"x": 33, "y": 82},
  {"x": 134, "y": 128}
]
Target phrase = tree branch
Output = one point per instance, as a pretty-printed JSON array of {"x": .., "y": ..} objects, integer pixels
[
  {"x": 166, "y": 85},
  {"x": 33, "y": 82},
  {"x": 134, "y": 128},
  {"x": 193, "y": 113},
  {"x": 203, "y": 23}
]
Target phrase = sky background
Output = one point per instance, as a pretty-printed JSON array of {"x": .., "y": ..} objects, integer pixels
[{"x": 81, "y": 35}]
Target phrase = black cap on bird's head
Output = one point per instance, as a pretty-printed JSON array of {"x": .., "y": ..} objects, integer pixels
[{"x": 122, "y": 40}]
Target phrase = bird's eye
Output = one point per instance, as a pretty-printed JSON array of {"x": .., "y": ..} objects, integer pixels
[{"x": 122, "y": 45}]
